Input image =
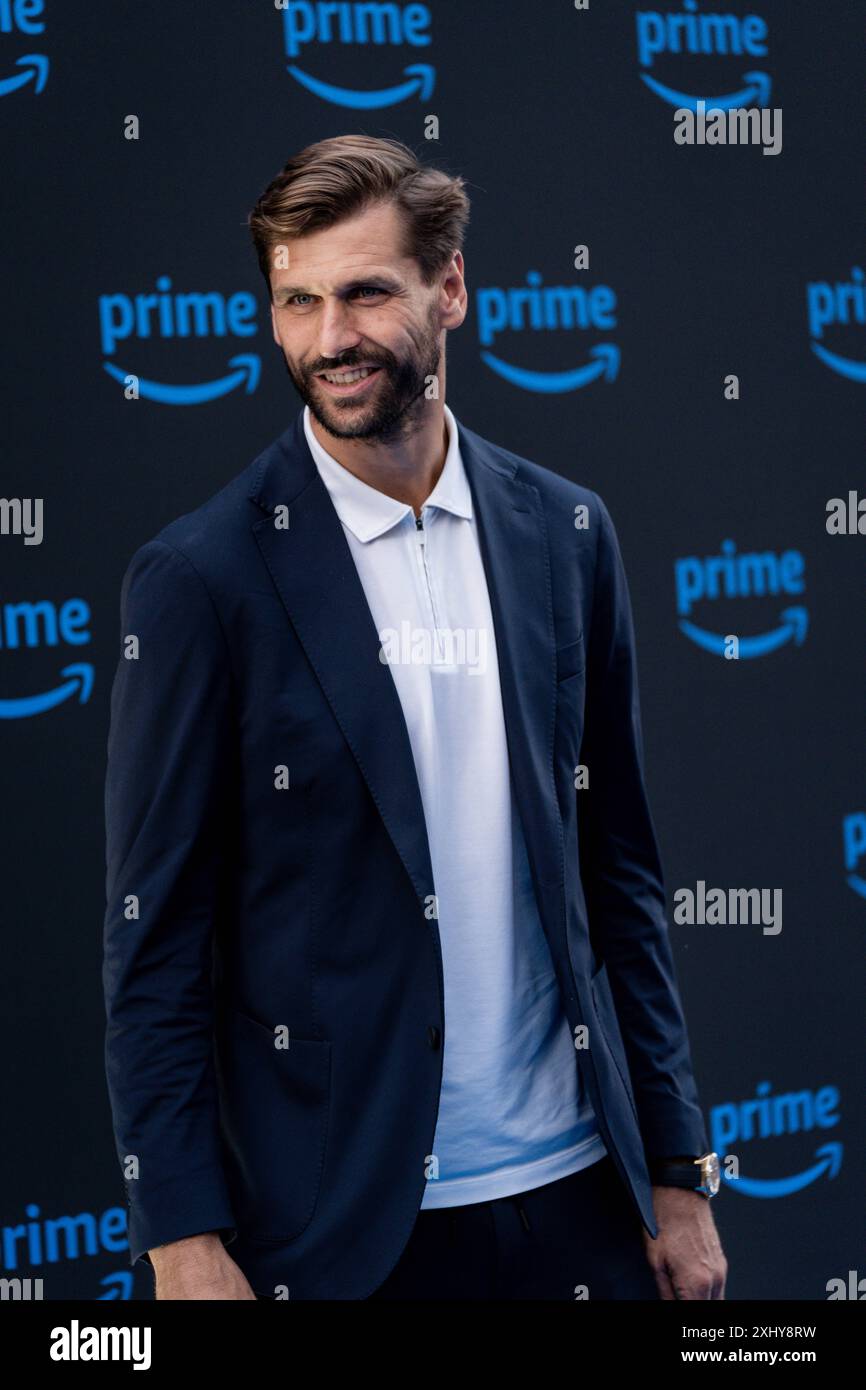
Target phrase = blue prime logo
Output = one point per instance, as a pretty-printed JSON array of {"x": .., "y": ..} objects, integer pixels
[
  {"x": 167, "y": 315},
  {"x": 537, "y": 309},
  {"x": 770, "y": 1117},
  {"x": 380, "y": 25},
  {"x": 43, "y": 1240},
  {"x": 840, "y": 303},
  {"x": 691, "y": 33},
  {"x": 749, "y": 575},
  {"x": 44, "y": 624},
  {"x": 854, "y": 838},
  {"x": 24, "y": 17}
]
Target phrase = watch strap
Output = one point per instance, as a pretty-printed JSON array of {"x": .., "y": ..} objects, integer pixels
[{"x": 681, "y": 1171}]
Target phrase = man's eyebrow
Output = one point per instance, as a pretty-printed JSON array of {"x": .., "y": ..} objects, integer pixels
[{"x": 378, "y": 280}]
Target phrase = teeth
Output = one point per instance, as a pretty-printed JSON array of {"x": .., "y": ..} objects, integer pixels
[{"x": 346, "y": 378}]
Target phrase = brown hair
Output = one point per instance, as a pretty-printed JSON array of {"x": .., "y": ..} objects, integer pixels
[{"x": 336, "y": 178}]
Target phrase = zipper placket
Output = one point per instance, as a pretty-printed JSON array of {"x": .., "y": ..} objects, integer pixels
[{"x": 421, "y": 535}]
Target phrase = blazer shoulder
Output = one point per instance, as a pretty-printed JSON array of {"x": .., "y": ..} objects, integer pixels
[
  {"x": 552, "y": 486},
  {"x": 205, "y": 530},
  {"x": 213, "y": 537},
  {"x": 560, "y": 496}
]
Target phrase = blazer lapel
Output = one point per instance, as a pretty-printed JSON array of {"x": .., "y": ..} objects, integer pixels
[
  {"x": 513, "y": 538},
  {"x": 312, "y": 568},
  {"x": 315, "y": 576}
]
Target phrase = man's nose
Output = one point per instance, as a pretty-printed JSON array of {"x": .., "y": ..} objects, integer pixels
[{"x": 338, "y": 331}]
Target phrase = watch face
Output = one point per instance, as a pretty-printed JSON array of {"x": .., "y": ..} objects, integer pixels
[{"x": 711, "y": 1173}]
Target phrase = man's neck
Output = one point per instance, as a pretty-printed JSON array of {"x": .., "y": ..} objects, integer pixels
[{"x": 407, "y": 468}]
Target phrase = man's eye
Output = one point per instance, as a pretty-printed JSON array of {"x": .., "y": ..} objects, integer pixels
[{"x": 370, "y": 289}]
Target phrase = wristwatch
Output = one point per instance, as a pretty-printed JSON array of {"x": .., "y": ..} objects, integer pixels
[{"x": 681, "y": 1172}]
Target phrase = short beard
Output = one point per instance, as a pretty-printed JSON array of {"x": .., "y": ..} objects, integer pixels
[{"x": 399, "y": 406}]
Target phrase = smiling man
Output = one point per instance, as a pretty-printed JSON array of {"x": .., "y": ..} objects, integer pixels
[{"x": 391, "y": 1005}]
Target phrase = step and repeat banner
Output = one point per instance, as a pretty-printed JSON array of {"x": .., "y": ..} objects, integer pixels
[{"x": 666, "y": 271}]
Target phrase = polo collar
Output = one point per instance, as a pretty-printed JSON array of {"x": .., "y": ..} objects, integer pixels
[{"x": 369, "y": 513}]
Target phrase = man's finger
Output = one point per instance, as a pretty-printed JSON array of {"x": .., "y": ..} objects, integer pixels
[{"x": 664, "y": 1283}]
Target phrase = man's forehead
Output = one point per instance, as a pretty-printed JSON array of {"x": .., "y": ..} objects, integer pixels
[
  {"x": 371, "y": 243},
  {"x": 337, "y": 265}
]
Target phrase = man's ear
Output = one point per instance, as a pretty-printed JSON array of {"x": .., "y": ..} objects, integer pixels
[
  {"x": 274, "y": 325},
  {"x": 456, "y": 284}
]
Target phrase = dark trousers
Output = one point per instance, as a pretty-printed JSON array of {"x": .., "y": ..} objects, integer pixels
[{"x": 579, "y": 1237}]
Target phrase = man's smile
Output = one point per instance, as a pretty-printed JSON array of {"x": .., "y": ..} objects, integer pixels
[{"x": 348, "y": 381}]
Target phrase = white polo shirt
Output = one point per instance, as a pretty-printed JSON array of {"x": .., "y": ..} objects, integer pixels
[{"x": 512, "y": 1113}]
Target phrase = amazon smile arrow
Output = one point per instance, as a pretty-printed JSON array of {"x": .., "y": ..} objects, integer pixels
[{"x": 79, "y": 677}]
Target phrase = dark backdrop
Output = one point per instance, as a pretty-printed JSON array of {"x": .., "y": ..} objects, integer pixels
[{"x": 755, "y": 765}]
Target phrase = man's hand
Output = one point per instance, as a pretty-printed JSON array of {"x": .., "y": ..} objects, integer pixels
[
  {"x": 686, "y": 1257},
  {"x": 198, "y": 1267}
]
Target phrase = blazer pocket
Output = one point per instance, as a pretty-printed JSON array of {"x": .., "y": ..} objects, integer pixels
[
  {"x": 274, "y": 1107},
  {"x": 570, "y": 660},
  {"x": 605, "y": 1010}
]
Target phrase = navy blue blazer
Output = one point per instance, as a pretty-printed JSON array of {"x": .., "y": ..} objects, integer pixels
[{"x": 237, "y": 905}]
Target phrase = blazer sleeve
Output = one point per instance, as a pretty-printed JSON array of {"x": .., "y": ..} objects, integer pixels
[
  {"x": 622, "y": 875},
  {"x": 169, "y": 759}
]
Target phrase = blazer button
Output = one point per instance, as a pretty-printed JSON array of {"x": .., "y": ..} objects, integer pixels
[{"x": 433, "y": 1037}]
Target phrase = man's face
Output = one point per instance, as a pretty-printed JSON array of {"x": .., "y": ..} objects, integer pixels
[{"x": 349, "y": 298}]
